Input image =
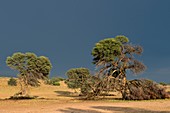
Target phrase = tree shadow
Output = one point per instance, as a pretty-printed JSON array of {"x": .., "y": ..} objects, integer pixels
[
  {"x": 126, "y": 109},
  {"x": 66, "y": 94},
  {"x": 74, "y": 110},
  {"x": 96, "y": 109},
  {"x": 27, "y": 97}
]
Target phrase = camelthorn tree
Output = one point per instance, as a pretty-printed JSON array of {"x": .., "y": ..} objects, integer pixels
[
  {"x": 114, "y": 56},
  {"x": 31, "y": 68}
]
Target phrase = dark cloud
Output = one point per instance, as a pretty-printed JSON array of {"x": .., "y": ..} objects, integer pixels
[{"x": 66, "y": 31}]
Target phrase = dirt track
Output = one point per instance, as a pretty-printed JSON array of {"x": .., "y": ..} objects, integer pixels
[{"x": 57, "y": 106}]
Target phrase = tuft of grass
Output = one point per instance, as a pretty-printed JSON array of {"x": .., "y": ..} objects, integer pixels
[
  {"x": 22, "y": 97},
  {"x": 12, "y": 82},
  {"x": 54, "y": 81}
]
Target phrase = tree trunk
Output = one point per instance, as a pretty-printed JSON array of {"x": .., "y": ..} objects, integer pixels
[
  {"x": 24, "y": 90},
  {"x": 124, "y": 81}
]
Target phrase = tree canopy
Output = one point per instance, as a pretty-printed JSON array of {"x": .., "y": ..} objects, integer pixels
[
  {"x": 113, "y": 57},
  {"x": 29, "y": 63},
  {"x": 77, "y": 78},
  {"x": 117, "y": 54},
  {"x": 30, "y": 67}
]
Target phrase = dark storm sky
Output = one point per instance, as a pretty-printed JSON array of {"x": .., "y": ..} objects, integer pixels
[{"x": 66, "y": 31}]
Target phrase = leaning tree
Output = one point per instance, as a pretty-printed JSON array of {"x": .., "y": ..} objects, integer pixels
[
  {"x": 31, "y": 69},
  {"x": 113, "y": 57}
]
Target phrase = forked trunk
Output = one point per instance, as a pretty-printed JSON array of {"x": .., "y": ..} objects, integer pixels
[
  {"x": 124, "y": 86},
  {"x": 24, "y": 89}
]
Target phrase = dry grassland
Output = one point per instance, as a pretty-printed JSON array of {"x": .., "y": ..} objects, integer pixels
[{"x": 59, "y": 99}]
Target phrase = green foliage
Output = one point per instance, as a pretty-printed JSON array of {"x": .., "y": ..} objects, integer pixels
[
  {"x": 117, "y": 54},
  {"x": 162, "y": 83},
  {"x": 113, "y": 57},
  {"x": 31, "y": 68},
  {"x": 106, "y": 50},
  {"x": 122, "y": 39},
  {"x": 77, "y": 78},
  {"x": 60, "y": 78},
  {"x": 54, "y": 81},
  {"x": 12, "y": 82},
  {"x": 29, "y": 65}
]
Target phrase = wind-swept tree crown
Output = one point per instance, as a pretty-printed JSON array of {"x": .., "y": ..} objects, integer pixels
[
  {"x": 29, "y": 63},
  {"x": 108, "y": 49}
]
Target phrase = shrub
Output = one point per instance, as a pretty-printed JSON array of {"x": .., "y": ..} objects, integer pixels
[
  {"x": 60, "y": 78},
  {"x": 162, "y": 83},
  {"x": 54, "y": 81},
  {"x": 78, "y": 78},
  {"x": 12, "y": 82}
]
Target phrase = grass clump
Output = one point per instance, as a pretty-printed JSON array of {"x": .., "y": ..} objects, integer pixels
[
  {"x": 55, "y": 81},
  {"x": 26, "y": 97},
  {"x": 12, "y": 82}
]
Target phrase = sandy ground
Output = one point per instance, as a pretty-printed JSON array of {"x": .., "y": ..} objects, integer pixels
[
  {"x": 55, "y": 106},
  {"x": 54, "y": 99}
]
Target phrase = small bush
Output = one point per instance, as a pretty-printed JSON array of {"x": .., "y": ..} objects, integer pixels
[
  {"x": 12, "y": 82},
  {"x": 54, "y": 81},
  {"x": 162, "y": 83},
  {"x": 61, "y": 79}
]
